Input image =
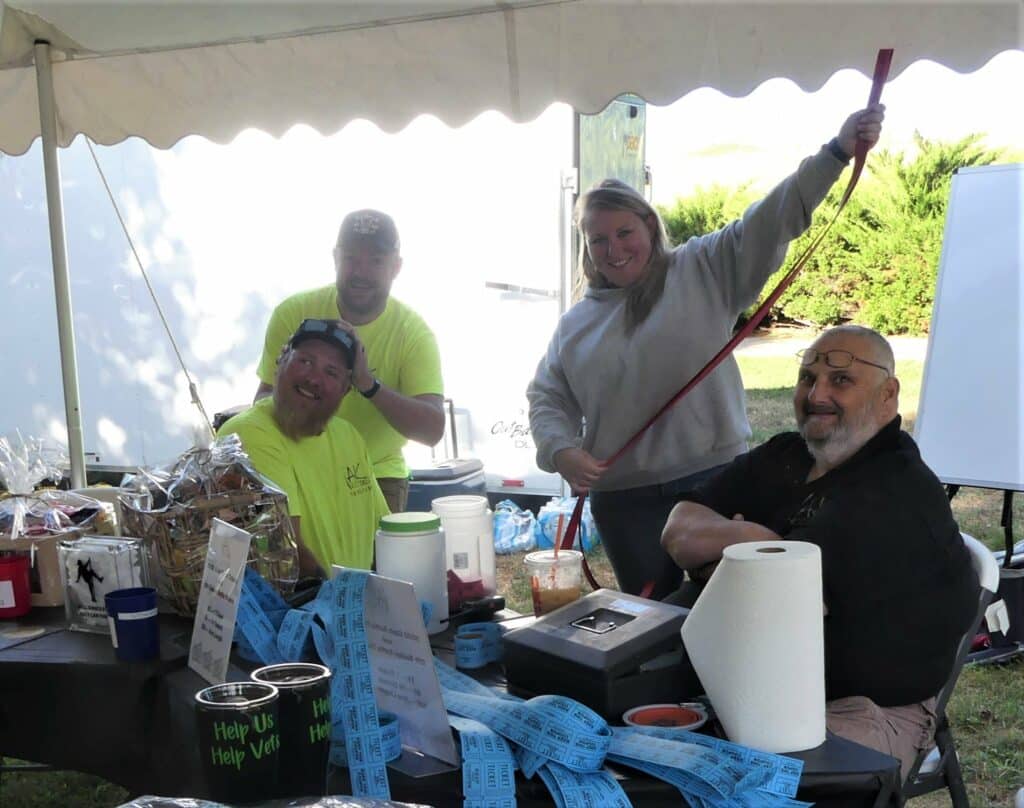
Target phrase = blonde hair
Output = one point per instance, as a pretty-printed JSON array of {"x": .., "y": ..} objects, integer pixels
[{"x": 612, "y": 194}]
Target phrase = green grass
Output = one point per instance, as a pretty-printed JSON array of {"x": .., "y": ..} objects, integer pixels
[
  {"x": 987, "y": 709},
  {"x": 66, "y": 789}
]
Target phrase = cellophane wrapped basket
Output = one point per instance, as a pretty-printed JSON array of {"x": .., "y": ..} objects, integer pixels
[{"x": 172, "y": 511}]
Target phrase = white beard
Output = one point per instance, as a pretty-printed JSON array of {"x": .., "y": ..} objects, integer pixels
[{"x": 842, "y": 443}]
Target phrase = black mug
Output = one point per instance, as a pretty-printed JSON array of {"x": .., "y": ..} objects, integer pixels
[
  {"x": 304, "y": 710},
  {"x": 239, "y": 740}
]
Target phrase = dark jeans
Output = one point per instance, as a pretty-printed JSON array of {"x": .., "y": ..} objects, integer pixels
[{"x": 630, "y": 523}]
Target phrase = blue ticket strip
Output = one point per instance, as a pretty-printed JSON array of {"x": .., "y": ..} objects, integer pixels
[
  {"x": 477, "y": 645},
  {"x": 390, "y": 736},
  {"x": 566, "y": 745},
  {"x": 267, "y": 629},
  {"x": 488, "y": 768},
  {"x": 554, "y": 738},
  {"x": 352, "y": 699},
  {"x": 783, "y": 773}
]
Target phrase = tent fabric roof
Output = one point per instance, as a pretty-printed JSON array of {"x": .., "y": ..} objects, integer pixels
[{"x": 163, "y": 70}]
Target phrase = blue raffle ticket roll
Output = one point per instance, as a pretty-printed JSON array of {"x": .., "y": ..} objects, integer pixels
[
  {"x": 477, "y": 645},
  {"x": 340, "y": 641},
  {"x": 552, "y": 737}
]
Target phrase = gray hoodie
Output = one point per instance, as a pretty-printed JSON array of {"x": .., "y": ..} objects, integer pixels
[{"x": 594, "y": 371}]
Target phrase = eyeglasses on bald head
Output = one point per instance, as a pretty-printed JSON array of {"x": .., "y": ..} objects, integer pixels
[{"x": 836, "y": 358}]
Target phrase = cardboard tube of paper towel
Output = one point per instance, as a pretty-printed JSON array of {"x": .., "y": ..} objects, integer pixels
[{"x": 756, "y": 639}]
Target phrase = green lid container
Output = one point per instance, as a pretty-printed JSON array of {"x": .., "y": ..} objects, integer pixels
[{"x": 410, "y": 522}]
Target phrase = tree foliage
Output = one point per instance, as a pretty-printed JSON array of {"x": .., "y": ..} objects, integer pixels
[{"x": 878, "y": 265}]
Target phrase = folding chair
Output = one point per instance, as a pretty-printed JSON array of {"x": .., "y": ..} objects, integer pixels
[{"x": 940, "y": 767}]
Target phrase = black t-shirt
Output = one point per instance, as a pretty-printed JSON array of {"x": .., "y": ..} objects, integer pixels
[{"x": 898, "y": 581}]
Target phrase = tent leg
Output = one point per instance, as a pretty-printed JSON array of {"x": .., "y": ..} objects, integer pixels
[{"x": 58, "y": 249}]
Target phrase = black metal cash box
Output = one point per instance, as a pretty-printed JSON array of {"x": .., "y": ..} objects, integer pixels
[{"x": 608, "y": 650}]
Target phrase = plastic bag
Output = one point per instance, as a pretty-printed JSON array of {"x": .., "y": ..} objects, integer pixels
[
  {"x": 513, "y": 528},
  {"x": 223, "y": 467},
  {"x": 172, "y": 510},
  {"x": 546, "y": 529},
  {"x": 307, "y": 802},
  {"x": 24, "y": 464}
]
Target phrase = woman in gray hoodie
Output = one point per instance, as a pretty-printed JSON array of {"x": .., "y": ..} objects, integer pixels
[{"x": 650, "y": 317}]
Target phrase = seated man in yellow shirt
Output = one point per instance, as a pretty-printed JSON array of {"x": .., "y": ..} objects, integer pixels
[
  {"x": 318, "y": 460},
  {"x": 397, "y": 367}
]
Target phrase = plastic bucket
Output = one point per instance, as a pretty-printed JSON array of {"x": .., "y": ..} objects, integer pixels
[
  {"x": 469, "y": 546},
  {"x": 15, "y": 589},
  {"x": 134, "y": 626},
  {"x": 304, "y": 721},
  {"x": 411, "y": 547}
]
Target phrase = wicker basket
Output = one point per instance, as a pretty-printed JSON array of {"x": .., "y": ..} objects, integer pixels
[{"x": 177, "y": 538}]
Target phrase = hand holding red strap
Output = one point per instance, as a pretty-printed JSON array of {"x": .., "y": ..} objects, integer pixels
[{"x": 882, "y": 65}]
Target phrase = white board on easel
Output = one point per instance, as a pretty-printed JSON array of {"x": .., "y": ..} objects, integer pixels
[{"x": 970, "y": 423}]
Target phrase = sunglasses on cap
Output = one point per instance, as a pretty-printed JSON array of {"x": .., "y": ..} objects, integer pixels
[{"x": 329, "y": 331}]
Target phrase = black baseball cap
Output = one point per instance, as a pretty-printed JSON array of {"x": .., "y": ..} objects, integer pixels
[
  {"x": 328, "y": 331},
  {"x": 372, "y": 227}
]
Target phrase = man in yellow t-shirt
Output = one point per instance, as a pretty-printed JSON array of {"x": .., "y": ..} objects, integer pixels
[
  {"x": 398, "y": 373},
  {"x": 319, "y": 461}
]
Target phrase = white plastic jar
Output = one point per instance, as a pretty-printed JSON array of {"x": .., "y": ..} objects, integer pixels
[
  {"x": 469, "y": 543},
  {"x": 411, "y": 547}
]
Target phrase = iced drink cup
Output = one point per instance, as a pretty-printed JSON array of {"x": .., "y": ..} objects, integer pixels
[{"x": 554, "y": 580}]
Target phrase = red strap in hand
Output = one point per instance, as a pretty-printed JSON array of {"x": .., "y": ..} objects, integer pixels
[{"x": 882, "y": 64}]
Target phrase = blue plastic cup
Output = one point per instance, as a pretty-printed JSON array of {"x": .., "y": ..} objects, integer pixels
[{"x": 134, "y": 629}]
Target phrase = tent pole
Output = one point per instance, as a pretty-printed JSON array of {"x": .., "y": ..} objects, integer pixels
[{"x": 58, "y": 250}]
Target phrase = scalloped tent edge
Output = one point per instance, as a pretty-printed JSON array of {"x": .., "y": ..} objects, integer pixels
[{"x": 164, "y": 70}]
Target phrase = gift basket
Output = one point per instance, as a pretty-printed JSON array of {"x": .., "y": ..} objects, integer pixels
[
  {"x": 33, "y": 521},
  {"x": 172, "y": 510}
]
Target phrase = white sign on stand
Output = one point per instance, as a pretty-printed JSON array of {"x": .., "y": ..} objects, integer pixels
[
  {"x": 219, "y": 592},
  {"x": 402, "y": 664}
]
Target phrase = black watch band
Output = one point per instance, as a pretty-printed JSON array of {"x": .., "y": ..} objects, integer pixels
[
  {"x": 838, "y": 152},
  {"x": 372, "y": 391}
]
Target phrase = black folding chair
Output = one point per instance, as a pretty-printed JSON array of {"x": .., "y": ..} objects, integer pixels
[{"x": 940, "y": 767}]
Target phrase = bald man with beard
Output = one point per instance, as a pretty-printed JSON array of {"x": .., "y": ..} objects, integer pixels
[{"x": 899, "y": 588}]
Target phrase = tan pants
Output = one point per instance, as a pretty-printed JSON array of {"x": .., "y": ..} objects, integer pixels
[
  {"x": 395, "y": 491},
  {"x": 898, "y": 731}
]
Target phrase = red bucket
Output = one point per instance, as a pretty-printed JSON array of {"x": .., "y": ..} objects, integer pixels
[{"x": 15, "y": 593}]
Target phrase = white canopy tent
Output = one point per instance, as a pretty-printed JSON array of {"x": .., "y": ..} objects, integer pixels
[{"x": 164, "y": 70}]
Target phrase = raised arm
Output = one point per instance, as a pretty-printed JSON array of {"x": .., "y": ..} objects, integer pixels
[
  {"x": 417, "y": 417},
  {"x": 743, "y": 254}
]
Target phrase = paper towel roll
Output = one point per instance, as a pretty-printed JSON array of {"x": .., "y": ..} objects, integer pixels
[{"x": 756, "y": 639}]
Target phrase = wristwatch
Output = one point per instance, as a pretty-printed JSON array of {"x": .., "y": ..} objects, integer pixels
[
  {"x": 373, "y": 389},
  {"x": 837, "y": 151}
]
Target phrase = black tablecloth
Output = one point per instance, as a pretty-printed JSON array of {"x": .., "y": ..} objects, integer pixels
[{"x": 69, "y": 703}]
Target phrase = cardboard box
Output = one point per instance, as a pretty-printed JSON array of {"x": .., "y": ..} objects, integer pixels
[{"x": 47, "y": 581}]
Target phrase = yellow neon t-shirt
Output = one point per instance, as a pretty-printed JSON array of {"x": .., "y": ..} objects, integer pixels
[
  {"x": 328, "y": 479},
  {"x": 402, "y": 353}
]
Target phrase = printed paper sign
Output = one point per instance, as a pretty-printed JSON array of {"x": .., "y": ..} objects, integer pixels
[
  {"x": 221, "y": 587},
  {"x": 404, "y": 680}
]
